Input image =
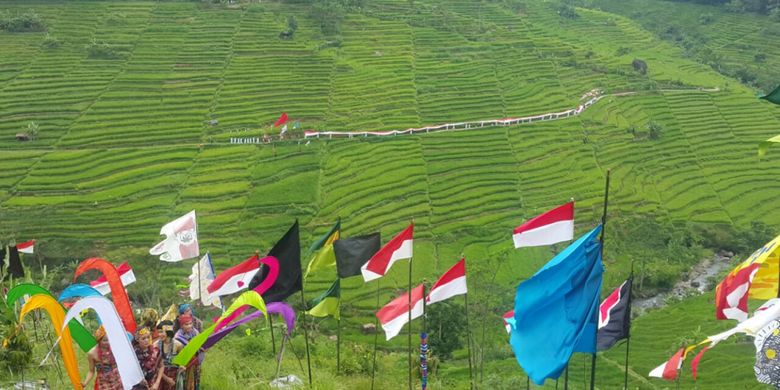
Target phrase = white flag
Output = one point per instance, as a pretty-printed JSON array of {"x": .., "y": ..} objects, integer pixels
[
  {"x": 181, "y": 242},
  {"x": 202, "y": 275}
]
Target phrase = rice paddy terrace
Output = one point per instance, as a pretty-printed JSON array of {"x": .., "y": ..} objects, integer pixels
[{"x": 126, "y": 143}]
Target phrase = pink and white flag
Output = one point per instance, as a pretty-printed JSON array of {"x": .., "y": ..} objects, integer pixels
[
  {"x": 26, "y": 247},
  {"x": 399, "y": 248},
  {"x": 235, "y": 278},
  {"x": 395, "y": 314},
  {"x": 452, "y": 283},
  {"x": 670, "y": 368},
  {"x": 125, "y": 274},
  {"x": 181, "y": 241},
  {"x": 549, "y": 228}
]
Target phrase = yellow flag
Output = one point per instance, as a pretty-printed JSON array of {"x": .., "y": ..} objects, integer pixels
[{"x": 764, "y": 284}]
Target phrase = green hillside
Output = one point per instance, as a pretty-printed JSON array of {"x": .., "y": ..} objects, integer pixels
[{"x": 125, "y": 145}]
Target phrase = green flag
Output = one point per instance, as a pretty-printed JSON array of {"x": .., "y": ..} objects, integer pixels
[
  {"x": 324, "y": 257},
  {"x": 328, "y": 303},
  {"x": 764, "y": 145},
  {"x": 773, "y": 96}
]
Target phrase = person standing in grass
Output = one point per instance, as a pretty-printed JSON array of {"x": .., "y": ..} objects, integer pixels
[
  {"x": 102, "y": 365},
  {"x": 148, "y": 357},
  {"x": 183, "y": 336},
  {"x": 167, "y": 378}
]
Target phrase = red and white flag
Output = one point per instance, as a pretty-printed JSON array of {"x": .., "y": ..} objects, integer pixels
[
  {"x": 731, "y": 294},
  {"x": 509, "y": 320},
  {"x": 26, "y": 247},
  {"x": 670, "y": 368},
  {"x": 126, "y": 275},
  {"x": 399, "y": 248},
  {"x": 282, "y": 120},
  {"x": 452, "y": 283},
  {"x": 395, "y": 314},
  {"x": 549, "y": 228},
  {"x": 235, "y": 278}
]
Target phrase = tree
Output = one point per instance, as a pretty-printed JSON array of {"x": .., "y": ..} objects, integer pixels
[
  {"x": 639, "y": 66},
  {"x": 654, "y": 130},
  {"x": 32, "y": 130},
  {"x": 447, "y": 327}
]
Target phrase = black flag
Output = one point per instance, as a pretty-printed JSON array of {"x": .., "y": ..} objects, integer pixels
[
  {"x": 615, "y": 317},
  {"x": 288, "y": 251},
  {"x": 353, "y": 252},
  {"x": 15, "y": 268},
  {"x": 2, "y": 258}
]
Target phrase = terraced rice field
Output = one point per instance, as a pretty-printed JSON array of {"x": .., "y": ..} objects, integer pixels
[{"x": 126, "y": 146}]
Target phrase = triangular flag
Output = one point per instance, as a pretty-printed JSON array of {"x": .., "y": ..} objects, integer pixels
[
  {"x": 773, "y": 96},
  {"x": 26, "y": 247},
  {"x": 181, "y": 242},
  {"x": 763, "y": 146},
  {"x": 400, "y": 247},
  {"x": 328, "y": 303},
  {"x": 395, "y": 314},
  {"x": 282, "y": 120},
  {"x": 452, "y": 283},
  {"x": 324, "y": 257},
  {"x": 670, "y": 368},
  {"x": 548, "y": 228}
]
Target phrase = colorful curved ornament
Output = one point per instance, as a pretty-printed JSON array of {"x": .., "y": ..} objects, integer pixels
[
  {"x": 280, "y": 308},
  {"x": 124, "y": 354},
  {"x": 118, "y": 293},
  {"x": 57, "y": 315},
  {"x": 80, "y": 334},
  {"x": 78, "y": 290},
  {"x": 265, "y": 285}
]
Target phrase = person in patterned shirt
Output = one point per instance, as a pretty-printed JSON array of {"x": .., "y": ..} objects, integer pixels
[
  {"x": 148, "y": 357},
  {"x": 102, "y": 365}
]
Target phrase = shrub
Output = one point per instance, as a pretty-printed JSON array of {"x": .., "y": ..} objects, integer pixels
[
  {"x": 654, "y": 130},
  {"x": 568, "y": 11},
  {"x": 706, "y": 18},
  {"x": 639, "y": 66},
  {"x": 102, "y": 50},
  {"x": 50, "y": 42},
  {"x": 26, "y": 22}
]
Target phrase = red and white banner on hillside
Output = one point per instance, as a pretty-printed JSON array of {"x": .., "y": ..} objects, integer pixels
[
  {"x": 670, "y": 368},
  {"x": 399, "y": 248},
  {"x": 452, "y": 283},
  {"x": 549, "y": 228},
  {"x": 395, "y": 314},
  {"x": 26, "y": 247},
  {"x": 125, "y": 274},
  {"x": 235, "y": 278},
  {"x": 282, "y": 120}
]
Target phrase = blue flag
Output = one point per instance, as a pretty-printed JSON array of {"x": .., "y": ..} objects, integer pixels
[{"x": 556, "y": 310}]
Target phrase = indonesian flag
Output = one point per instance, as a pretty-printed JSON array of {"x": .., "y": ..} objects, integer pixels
[
  {"x": 282, "y": 120},
  {"x": 509, "y": 320},
  {"x": 549, "y": 228},
  {"x": 235, "y": 278},
  {"x": 399, "y": 248},
  {"x": 452, "y": 283},
  {"x": 395, "y": 314},
  {"x": 670, "y": 368},
  {"x": 26, "y": 247},
  {"x": 125, "y": 274}
]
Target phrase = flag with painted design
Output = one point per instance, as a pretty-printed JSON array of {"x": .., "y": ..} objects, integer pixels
[{"x": 615, "y": 317}]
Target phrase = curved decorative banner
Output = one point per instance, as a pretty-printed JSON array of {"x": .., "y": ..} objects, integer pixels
[
  {"x": 78, "y": 290},
  {"x": 247, "y": 299},
  {"x": 124, "y": 354},
  {"x": 281, "y": 308},
  {"x": 118, "y": 293},
  {"x": 56, "y": 314},
  {"x": 265, "y": 285},
  {"x": 81, "y": 335}
]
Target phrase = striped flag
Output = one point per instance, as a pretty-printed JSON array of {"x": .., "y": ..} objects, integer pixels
[
  {"x": 395, "y": 314},
  {"x": 549, "y": 228},
  {"x": 26, "y": 247},
  {"x": 670, "y": 368},
  {"x": 125, "y": 274},
  {"x": 452, "y": 283},
  {"x": 235, "y": 278},
  {"x": 399, "y": 248}
]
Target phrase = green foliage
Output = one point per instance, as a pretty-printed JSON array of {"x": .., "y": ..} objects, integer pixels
[
  {"x": 654, "y": 130},
  {"x": 29, "y": 21},
  {"x": 356, "y": 359},
  {"x": 447, "y": 328},
  {"x": 102, "y": 50},
  {"x": 567, "y": 11},
  {"x": 15, "y": 347},
  {"x": 706, "y": 18},
  {"x": 50, "y": 42}
]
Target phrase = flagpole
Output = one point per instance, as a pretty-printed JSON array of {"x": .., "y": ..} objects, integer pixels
[
  {"x": 338, "y": 338},
  {"x": 271, "y": 326},
  {"x": 628, "y": 336},
  {"x": 566, "y": 378},
  {"x": 376, "y": 334},
  {"x": 468, "y": 338},
  {"x": 603, "y": 229},
  {"x": 409, "y": 328},
  {"x": 305, "y": 332}
]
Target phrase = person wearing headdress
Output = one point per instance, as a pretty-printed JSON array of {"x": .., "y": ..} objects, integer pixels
[
  {"x": 102, "y": 365},
  {"x": 148, "y": 357},
  {"x": 149, "y": 319},
  {"x": 167, "y": 378},
  {"x": 186, "y": 308},
  {"x": 183, "y": 336}
]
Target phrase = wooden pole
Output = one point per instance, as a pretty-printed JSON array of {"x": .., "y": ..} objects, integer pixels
[
  {"x": 376, "y": 334},
  {"x": 338, "y": 341},
  {"x": 468, "y": 337},
  {"x": 628, "y": 336},
  {"x": 603, "y": 229},
  {"x": 409, "y": 325},
  {"x": 305, "y": 333},
  {"x": 271, "y": 327}
]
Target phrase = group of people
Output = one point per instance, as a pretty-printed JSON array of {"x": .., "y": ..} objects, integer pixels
[{"x": 156, "y": 342}]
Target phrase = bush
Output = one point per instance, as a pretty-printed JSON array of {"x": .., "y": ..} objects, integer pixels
[
  {"x": 26, "y": 22},
  {"x": 654, "y": 130},
  {"x": 50, "y": 42},
  {"x": 447, "y": 327},
  {"x": 706, "y": 18},
  {"x": 568, "y": 11},
  {"x": 102, "y": 50}
]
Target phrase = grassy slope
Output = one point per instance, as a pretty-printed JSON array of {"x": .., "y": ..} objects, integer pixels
[{"x": 119, "y": 151}]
